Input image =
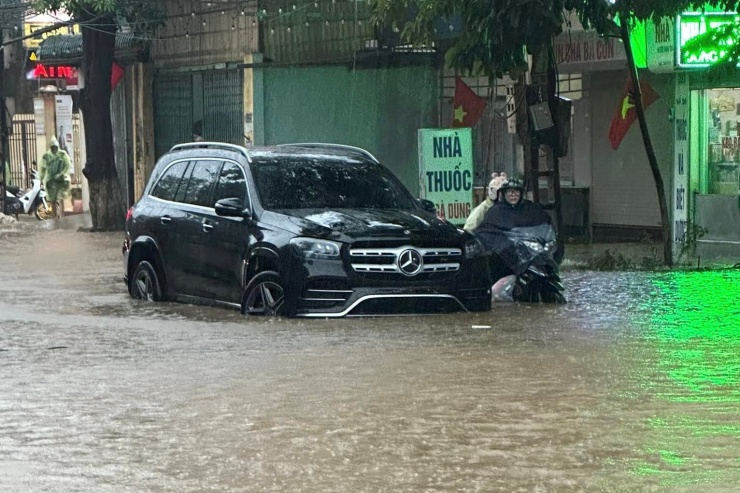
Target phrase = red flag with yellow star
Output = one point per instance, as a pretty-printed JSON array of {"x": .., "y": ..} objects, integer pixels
[
  {"x": 626, "y": 112},
  {"x": 467, "y": 105}
]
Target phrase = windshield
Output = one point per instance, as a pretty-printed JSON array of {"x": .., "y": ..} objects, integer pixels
[
  {"x": 542, "y": 232},
  {"x": 315, "y": 183}
]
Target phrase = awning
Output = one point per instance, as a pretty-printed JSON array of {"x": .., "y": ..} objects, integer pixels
[{"x": 67, "y": 49}]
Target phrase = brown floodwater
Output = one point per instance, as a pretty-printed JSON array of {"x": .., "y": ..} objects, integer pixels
[{"x": 634, "y": 385}]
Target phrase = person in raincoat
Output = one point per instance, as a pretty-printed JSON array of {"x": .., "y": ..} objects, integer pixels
[
  {"x": 55, "y": 167},
  {"x": 476, "y": 217}
]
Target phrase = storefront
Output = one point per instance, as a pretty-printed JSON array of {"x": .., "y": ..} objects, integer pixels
[
  {"x": 705, "y": 117},
  {"x": 713, "y": 131}
]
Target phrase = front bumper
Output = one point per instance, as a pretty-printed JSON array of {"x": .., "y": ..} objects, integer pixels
[{"x": 326, "y": 289}]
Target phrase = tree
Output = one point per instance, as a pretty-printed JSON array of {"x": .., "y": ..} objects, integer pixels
[
  {"x": 99, "y": 21},
  {"x": 496, "y": 35}
]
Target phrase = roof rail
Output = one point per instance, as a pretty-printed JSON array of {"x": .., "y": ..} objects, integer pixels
[
  {"x": 319, "y": 145},
  {"x": 213, "y": 145}
]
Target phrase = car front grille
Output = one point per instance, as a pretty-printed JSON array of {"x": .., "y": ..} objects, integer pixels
[{"x": 405, "y": 261}]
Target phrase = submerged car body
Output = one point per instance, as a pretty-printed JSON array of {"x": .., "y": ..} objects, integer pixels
[{"x": 313, "y": 230}]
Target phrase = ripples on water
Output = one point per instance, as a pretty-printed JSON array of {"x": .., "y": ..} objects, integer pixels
[{"x": 632, "y": 386}]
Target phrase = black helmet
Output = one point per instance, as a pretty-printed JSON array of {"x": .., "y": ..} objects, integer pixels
[{"x": 511, "y": 184}]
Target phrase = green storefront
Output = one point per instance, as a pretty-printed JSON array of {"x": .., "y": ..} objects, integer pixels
[{"x": 706, "y": 120}]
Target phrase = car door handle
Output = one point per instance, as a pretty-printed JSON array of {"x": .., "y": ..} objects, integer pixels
[
  {"x": 207, "y": 227},
  {"x": 165, "y": 219}
]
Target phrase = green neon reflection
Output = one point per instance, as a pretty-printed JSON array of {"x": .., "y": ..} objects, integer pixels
[
  {"x": 693, "y": 365},
  {"x": 698, "y": 326}
]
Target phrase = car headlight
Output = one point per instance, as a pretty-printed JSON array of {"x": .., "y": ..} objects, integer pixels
[
  {"x": 549, "y": 246},
  {"x": 312, "y": 248},
  {"x": 535, "y": 246},
  {"x": 474, "y": 248}
]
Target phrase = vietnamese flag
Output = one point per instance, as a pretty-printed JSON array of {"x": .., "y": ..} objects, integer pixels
[
  {"x": 627, "y": 113},
  {"x": 116, "y": 74},
  {"x": 468, "y": 106}
]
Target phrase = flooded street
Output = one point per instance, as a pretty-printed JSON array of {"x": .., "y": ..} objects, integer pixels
[{"x": 634, "y": 385}]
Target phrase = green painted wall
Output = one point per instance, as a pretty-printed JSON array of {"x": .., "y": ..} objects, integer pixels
[{"x": 376, "y": 109}]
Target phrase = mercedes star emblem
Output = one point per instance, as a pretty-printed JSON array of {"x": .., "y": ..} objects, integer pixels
[{"x": 410, "y": 262}]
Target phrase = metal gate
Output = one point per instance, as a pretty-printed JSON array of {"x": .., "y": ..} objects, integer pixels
[
  {"x": 223, "y": 101},
  {"x": 22, "y": 150},
  {"x": 210, "y": 104},
  {"x": 173, "y": 110}
]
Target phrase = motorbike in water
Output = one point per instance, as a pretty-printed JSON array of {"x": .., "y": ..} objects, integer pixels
[
  {"x": 523, "y": 263},
  {"x": 31, "y": 201}
]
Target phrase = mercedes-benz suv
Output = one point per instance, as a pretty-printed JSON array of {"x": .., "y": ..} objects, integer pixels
[{"x": 309, "y": 230}]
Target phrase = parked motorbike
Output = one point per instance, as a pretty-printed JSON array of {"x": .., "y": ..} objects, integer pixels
[
  {"x": 523, "y": 264},
  {"x": 31, "y": 201}
]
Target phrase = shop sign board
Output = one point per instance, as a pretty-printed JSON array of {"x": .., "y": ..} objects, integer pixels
[
  {"x": 680, "y": 165},
  {"x": 446, "y": 171},
  {"x": 63, "y": 106},
  {"x": 661, "y": 45},
  {"x": 690, "y": 25},
  {"x": 39, "y": 116},
  {"x": 583, "y": 51},
  {"x": 30, "y": 27}
]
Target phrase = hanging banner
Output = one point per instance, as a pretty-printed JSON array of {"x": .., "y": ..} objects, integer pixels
[
  {"x": 446, "y": 171},
  {"x": 64, "y": 127}
]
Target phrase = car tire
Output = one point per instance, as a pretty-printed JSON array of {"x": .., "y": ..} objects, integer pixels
[
  {"x": 145, "y": 284},
  {"x": 264, "y": 295}
]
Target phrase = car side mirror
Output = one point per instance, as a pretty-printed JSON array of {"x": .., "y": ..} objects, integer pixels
[
  {"x": 232, "y": 207},
  {"x": 428, "y": 205}
]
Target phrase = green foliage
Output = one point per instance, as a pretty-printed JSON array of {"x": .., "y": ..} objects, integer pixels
[
  {"x": 727, "y": 36},
  {"x": 496, "y": 35},
  {"x": 142, "y": 16},
  {"x": 694, "y": 233},
  {"x": 609, "y": 261}
]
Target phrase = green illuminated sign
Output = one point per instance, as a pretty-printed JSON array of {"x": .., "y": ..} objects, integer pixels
[{"x": 692, "y": 24}]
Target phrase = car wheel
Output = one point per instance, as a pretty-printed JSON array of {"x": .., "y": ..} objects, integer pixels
[
  {"x": 42, "y": 212},
  {"x": 145, "y": 283},
  {"x": 264, "y": 295}
]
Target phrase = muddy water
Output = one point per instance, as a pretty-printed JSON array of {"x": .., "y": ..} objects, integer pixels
[{"x": 632, "y": 386}]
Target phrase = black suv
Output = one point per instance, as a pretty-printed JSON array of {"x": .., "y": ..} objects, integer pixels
[{"x": 309, "y": 230}]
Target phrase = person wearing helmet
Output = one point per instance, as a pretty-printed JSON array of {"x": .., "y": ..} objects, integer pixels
[
  {"x": 512, "y": 210},
  {"x": 476, "y": 217},
  {"x": 511, "y": 192}
]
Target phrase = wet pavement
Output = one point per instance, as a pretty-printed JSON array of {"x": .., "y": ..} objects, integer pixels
[{"x": 634, "y": 385}]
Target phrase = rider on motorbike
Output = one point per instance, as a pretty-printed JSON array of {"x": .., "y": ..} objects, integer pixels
[
  {"x": 519, "y": 236},
  {"x": 510, "y": 211}
]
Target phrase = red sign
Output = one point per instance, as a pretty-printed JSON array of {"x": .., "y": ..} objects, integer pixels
[
  {"x": 70, "y": 74},
  {"x": 54, "y": 72}
]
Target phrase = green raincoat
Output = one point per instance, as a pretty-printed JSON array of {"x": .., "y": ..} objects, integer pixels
[{"x": 55, "y": 172}]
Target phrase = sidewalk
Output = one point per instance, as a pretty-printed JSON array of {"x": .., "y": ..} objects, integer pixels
[{"x": 639, "y": 254}]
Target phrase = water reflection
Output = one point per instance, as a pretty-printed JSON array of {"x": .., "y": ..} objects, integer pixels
[
  {"x": 631, "y": 386},
  {"x": 689, "y": 361}
]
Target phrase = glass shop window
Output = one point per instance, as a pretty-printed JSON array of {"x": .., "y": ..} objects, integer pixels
[{"x": 724, "y": 141}]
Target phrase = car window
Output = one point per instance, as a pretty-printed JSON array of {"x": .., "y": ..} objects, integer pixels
[
  {"x": 180, "y": 195},
  {"x": 298, "y": 183},
  {"x": 201, "y": 182},
  {"x": 169, "y": 183},
  {"x": 231, "y": 183}
]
